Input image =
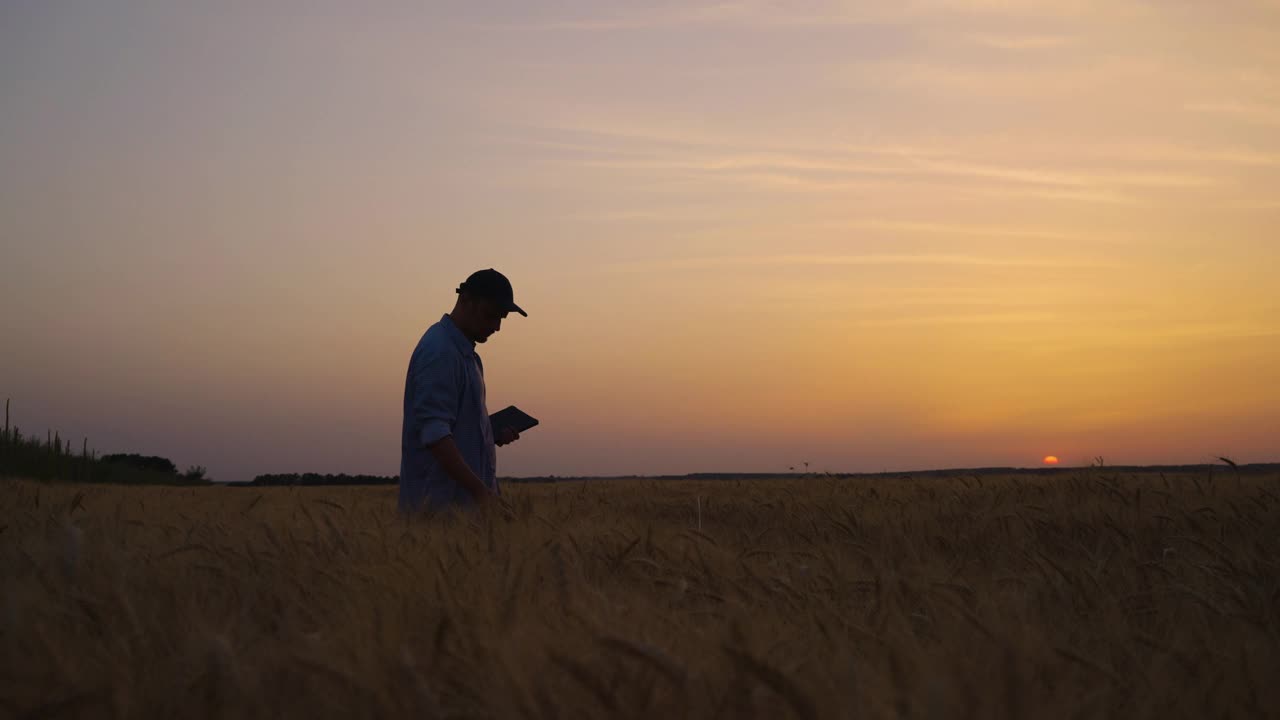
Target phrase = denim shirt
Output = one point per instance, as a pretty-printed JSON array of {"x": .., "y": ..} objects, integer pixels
[{"x": 444, "y": 395}]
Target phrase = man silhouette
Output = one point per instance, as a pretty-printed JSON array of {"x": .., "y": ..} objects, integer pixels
[{"x": 447, "y": 456}]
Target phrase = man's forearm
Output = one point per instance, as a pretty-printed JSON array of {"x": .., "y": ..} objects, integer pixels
[{"x": 446, "y": 453}]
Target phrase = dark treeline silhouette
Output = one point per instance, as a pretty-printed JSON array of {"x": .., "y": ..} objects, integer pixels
[
  {"x": 53, "y": 458},
  {"x": 344, "y": 479},
  {"x": 958, "y": 472},
  {"x": 142, "y": 462},
  {"x": 318, "y": 479}
]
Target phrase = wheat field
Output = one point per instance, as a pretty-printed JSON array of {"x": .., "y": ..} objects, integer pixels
[{"x": 1089, "y": 594}]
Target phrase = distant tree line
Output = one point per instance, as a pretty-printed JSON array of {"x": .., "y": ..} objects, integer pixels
[
  {"x": 53, "y": 458},
  {"x": 327, "y": 479},
  {"x": 142, "y": 462},
  {"x": 344, "y": 479}
]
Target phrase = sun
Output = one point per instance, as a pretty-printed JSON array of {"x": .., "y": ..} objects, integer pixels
[{"x": 1050, "y": 459}]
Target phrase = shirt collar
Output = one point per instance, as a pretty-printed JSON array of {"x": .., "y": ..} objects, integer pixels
[{"x": 460, "y": 341}]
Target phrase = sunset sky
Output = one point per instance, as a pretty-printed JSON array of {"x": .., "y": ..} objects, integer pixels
[{"x": 749, "y": 235}]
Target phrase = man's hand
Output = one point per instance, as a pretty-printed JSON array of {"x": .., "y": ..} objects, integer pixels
[
  {"x": 506, "y": 436},
  {"x": 446, "y": 453},
  {"x": 492, "y": 504}
]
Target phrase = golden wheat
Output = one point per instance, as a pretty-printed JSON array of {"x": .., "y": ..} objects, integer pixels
[{"x": 1079, "y": 595}]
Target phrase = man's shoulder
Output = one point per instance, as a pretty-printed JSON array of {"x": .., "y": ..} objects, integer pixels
[
  {"x": 436, "y": 333},
  {"x": 435, "y": 343}
]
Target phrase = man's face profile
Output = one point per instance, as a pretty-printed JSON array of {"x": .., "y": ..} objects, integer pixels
[{"x": 485, "y": 318}]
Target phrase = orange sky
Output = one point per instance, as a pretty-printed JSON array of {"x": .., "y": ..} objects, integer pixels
[{"x": 947, "y": 233}]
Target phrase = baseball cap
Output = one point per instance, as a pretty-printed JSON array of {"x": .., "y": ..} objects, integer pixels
[{"x": 493, "y": 285}]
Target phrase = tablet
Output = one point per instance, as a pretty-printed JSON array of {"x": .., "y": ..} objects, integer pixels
[{"x": 511, "y": 417}]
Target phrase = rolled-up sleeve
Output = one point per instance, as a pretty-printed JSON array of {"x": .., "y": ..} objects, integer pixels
[{"x": 437, "y": 389}]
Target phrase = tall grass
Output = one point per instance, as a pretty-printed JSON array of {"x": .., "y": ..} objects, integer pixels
[
  {"x": 1092, "y": 594},
  {"x": 57, "y": 459}
]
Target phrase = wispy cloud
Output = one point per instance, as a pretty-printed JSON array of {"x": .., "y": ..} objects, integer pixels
[
  {"x": 670, "y": 145},
  {"x": 984, "y": 318},
  {"x": 844, "y": 172},
  {"x": 586, "y": 130},
  {"x": 753, "y": 162},
  {"x": 1022, "y": 42},
  {"x": 960, "y": 229},
  {"x": 782, "y": 16},
  {"x": 640, "y": 16},
  {"x": 1148, "y": 151},
  {"x": 1268, "y": 114},
  {"x": 942, "y": 77},
  {"x": 949, "y": 186},
  {"x": 793, "y": 260},
  {"x": 1037, "y": 176},
  {"x": 1218, "y": 330}
]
